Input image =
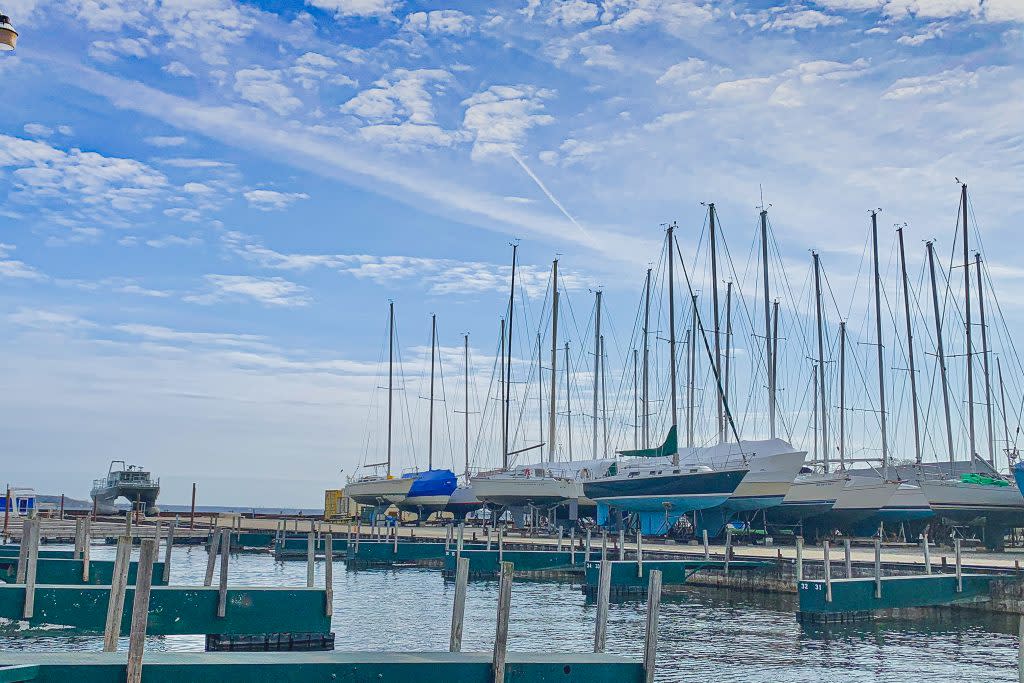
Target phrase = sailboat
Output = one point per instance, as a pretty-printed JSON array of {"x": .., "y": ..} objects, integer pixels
[
  {"x": 463, "y": 500},
  {"x": 430, "y": 490},
  {"x": 376, "y": 490}
]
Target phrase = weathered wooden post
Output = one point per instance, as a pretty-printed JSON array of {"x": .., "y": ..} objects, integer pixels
[
  {"x": 586, "y": 548},
  {"x": 30, "y": 536},
  {"x": 799, "y": 558},
  {"x": 560, "y": 532},
  {"x": 639, "y": 554},
  {"x": 86, "y": 548},
  {"x": 148, "y": 553},
  {"x": 501, "y": 544},
  {"x": 847, "y": 556},
  {"x": 79, "y": 523},
  {"x": 211, "y": 555},
  {"x": 459, "y": 607},
  {"x": 458, "y": 542},
  {"x": 394, "y": 539},
  {"x": 728, "y": 548},
  {"x": 487, "y": 529},
  {"x": 128, "y": 522},
  {"x": 651, "y": 632},
  {"x": 572, "y": 546},
  {"x": 622, "y": 544},
  {"x": 118, "y": 583},
  {"x": 604, "y": 589},
  {"x": 222, "y": 593},
  {"x": 26, "y": 528},
  {"x": 310, "y": 557},
  {"x": 501, "y": 633},
  {"x": 329, "y": 574},
  {"x": 604, "y": 546},
  {"x": 448, "y": 537},
  {"x": 828, "y": 572},
  {"x": 167, "y": 556},
  {"x": 927, "y": 554},
  {"x": 959, "y": 567},
  {"x": 707, "y": 547},
  {"x": 359, "y": 528},
  {"x": 878, "y": 569},
  {"x": 158, "y": 534}
]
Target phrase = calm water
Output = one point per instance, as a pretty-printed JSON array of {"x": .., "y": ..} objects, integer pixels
[{"x": 706, "y": 635}]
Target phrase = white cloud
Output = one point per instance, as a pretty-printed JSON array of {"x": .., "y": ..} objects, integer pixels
[
  {"x": 16, "y": 269},
  {"x": 683, "y": 72},
  {"x": 800, "y": 19},
  {"x": 572, "y": 12},
  {"x": 166, "y": 140},
  {"x": 942, "y": 83},
  {"x": 38, "y": 130},
  {"x": 264, "y": 87},
  {"x": 178, "y": 69},
  {"x": 930, "y": 32},
  {"x": 600, "y": 56},
  {"x": 38, "y": 318},
  {"x": 500, "y": 117},
  {"x": 404, "y": 95},
  {"x": 446, "y": 21},
  {"x": 271, "y": 200},
  {"x": 111, "y": 50},
  {"x": 174, "y": 241},
  {"x": 65, "y": 130},
  {"x": 269, "y": 291},
  {"x": 1004, "y": 10},
  {"x": 312, "y": 68},
  {"x": 357, "y": 8}
]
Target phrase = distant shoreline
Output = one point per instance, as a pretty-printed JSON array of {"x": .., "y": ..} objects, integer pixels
[{"x": 76, "y": 505}]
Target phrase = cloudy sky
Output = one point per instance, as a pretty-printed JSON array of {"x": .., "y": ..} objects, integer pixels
[{"x": 207, "y": 204}]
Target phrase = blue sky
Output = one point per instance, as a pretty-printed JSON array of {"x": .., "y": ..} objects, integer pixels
[{"x": 208, "y": 203}]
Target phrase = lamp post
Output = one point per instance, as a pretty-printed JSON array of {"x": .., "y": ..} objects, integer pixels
[{"x": 8, "y": 36}]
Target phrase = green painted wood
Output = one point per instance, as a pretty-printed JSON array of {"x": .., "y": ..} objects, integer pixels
[
  {"x": 674, "y": 572},
  {"x": 487, "y": 562},
  {"x": 176, "y": 610},
  {"x": 252, "y": 539},
  {"x": 343, "y": 667},
  {"x": 858, "y": 595},
  {"x": 294, "y": 547},
  {"x": 60, "y": 571},
  {"x": 12, "y": 551}
]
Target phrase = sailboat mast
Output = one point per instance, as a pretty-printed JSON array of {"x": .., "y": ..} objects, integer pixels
[
  {"x": 430, "y": 420},
  {"x": 672, "y": 331},
  {"x": 814, "y": 411},
  {"x": 728, "y": 340},
  {"x": 910, "y": 348},
  {"x": 1002, "y": 401},
  {"x": 504, "y": 414},
  {"x": 604, "y": 402},
  {"x": 391, "y": 375},
  {"x": 769, "y": 370},
  {"x": 597, "y": 360},
  {"x": 714, "y": 314},
  {"x": 554, "y": 360},
  {"x": 842, "y": 395},
  {"x": 821, "y": 364},
  {"x": 636, "y": 400},
  {"x": 465, "y": 398},
  {"x": 645, "y": 416},
  {"x": 691, "y": 371},
  {"x": 775, "y": 355},
  {"x": 984, "y": 363},
  {"x": 508, "y": 357},
  {"x": 940, "y": 349},
  {"x": 878, "y": 342},
  {"x": 967, "y": 325},
  {"x": 540, "y": 395},
  {"x": 568, "y": 399}
]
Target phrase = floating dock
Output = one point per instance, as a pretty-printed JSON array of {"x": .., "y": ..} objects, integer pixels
[
  {"x": 631, "y": 577},
  {"x": 344, "y": 667},
  {"x": 553, "y": 564},
  {"x": 61, "y": 571},
  {"x": 297, "y": 547}
]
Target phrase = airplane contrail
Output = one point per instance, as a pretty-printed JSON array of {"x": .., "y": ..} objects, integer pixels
[{"x": 547, "y": 192}]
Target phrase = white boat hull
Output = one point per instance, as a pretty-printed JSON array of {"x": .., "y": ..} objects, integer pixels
[
  {"x": 506, "y": 491},
  {"x": 379, "y": 491}
]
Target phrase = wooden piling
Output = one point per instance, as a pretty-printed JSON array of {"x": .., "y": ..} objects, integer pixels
[
  {"x": 158, "y": 535},
  {"x": 604, "y": 546},
  {"x": 118, "y": 583},
  {"x": 26, "y": 526},
  {"x": 878, "y": 569},
  {"x": 86, "y": 548},
  {"x": 458, "y": 542},
  {"x": 651, "y": 632},
  {"x": 488, "y": 530},
  {"x": 622, "y": 544},
  {"x": 604, "y": 589},
  {"x": 559, "y": 546},
  {"x": 799, "y": 558},
  {"x": 211, "y": 556},
  {"x": 128, "y": 522},
  {"x": 77, "y": 554},
  {"x": 959, "y": 567},
  {"x": 329, "y": 573},
  {"x": 828, "y": 572},
  {"x": 148, "y": 553},
  {"x": 639, "y": 554},
  {"x": 167, "y": 555},
  {"x": 848, "y": 558},
  {"x": 310, "y": 557},
  {"x": 728, "y": 548},
  {"x": 448, "y": 537},
  {"x": 707, "y": 546},
  {"x": 394, "y": 538},
  {"x": 459, "y": 606},
  {"x": 192, "y": 513},
  {"x": 222, "y": 593},
  {"x": 927, "y": 554},
  {"x": 30, "y": 536},
  {"x": 586, "y": 548},
  {"x": 501, "y": 632},
  {"x": 501, "y": 545},
  {"x": 572, "y": 546}
]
